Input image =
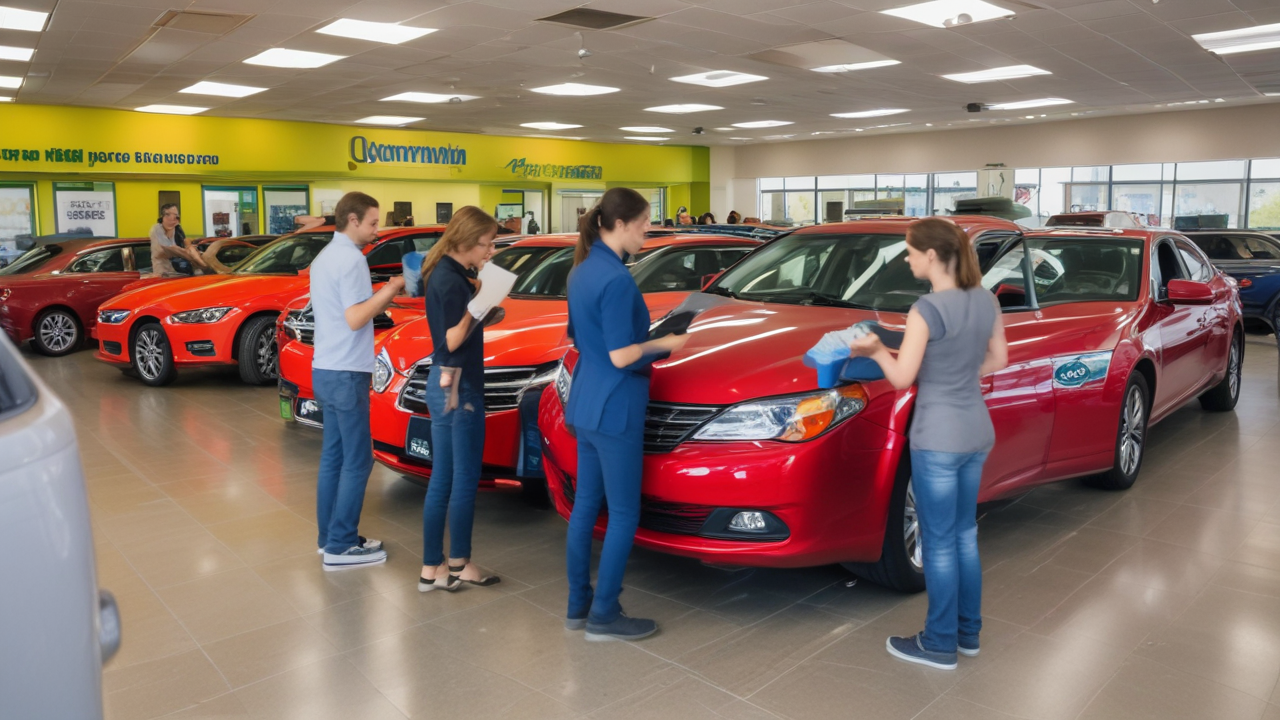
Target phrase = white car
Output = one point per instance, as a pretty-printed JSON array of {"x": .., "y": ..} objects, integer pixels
[{"x": 57, "y": 628}]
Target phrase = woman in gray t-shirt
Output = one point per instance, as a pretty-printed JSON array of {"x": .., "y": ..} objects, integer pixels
[{"x": 954, "y": 336}]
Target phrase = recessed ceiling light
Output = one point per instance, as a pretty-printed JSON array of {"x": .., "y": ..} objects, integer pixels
[
  {"x": 949, "y": 13},
  {"x": 719, "y": 78},
  {"x": 851, "y": 67},
  {"x": 1026, "y": 104},
  {"x": 763, "y": 124},
  {"x": 10, "y": 82},
  {"x": 390, "y": 33},
  {"x": 549, "y": 126},
  {"x": 575, "y": 89},
  {"x": 741, "y": 138},
  {"x": 650, "y": 138},
  {"x": 171, "y": 109},
  {"x": 871, "y": 113},
  {"x": 646, "y": 129},
  {"x": 1272, "y": 94},
  {"x": 777, "y": 137},
  {"x": 421, "y": 97},
  {"x": 282, "y": 58},
  {"x": 1259, "y": 37},
  {"x": 15, "y": 19},
  {"x": 683, "y": 108},
  {"x": 554, "y": 137},
  {"x": 8, "y": 52},
  {"x": 1001, "y": 73},
  {"x": 388, "y": 120},
  {"x": 5, "y": 99},
  {"x": 222, "y": 89}
]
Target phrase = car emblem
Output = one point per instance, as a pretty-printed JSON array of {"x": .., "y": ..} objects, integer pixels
[{"x": 1076, "y": 371}]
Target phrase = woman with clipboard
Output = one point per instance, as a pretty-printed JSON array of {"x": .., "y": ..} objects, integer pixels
[
  {"x": 609, "y": 325},
  {"x": 455, "y": 398}
]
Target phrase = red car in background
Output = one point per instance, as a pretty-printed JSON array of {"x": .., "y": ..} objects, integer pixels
[
  {"x": 749, "y": 462},
  {"x": 229, "y": 319},
  {"x": 522, "y": 352}
]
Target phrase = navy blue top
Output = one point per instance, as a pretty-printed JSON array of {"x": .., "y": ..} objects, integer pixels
[
  {"x": 607, "y": 313},
  {"x": 448, "y": 292}
]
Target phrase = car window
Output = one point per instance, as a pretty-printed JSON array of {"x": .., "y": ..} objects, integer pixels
[
  {"x": 111, "y": 260},
  {"x": 229, "y": 255},
  {"x": 1007, "y": 280},
  {"x": 681, "y": 268},
  {"x": 286, "y": 256},
  {"x": 423, "y": 243},
  {"x": 1167, "y": 267},
  {"x": 1197, "y": 267},
  {"x": 550, "y": 279},
  {"x": 1236, "y": 247},
  {"x": 141, "y": 257},
  {"x": 522, "y": 260},
  {"x": 1067, "y": 270},
  {"x": 388, "y": 253},
  {"x": 31, "y": 260}
]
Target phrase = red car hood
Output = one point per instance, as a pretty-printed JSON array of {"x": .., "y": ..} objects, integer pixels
[
  {"x": 146, "y": 291},
  {"x": 212, "y": 291}
]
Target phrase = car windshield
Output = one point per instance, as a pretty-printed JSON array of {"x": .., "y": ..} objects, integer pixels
[
  {"x": 548, "y": 279},
  {"x": 31, "y": 260},
  {"x": 1069, "y": 270},
  {"x": 1237, "y": 247},
  {"x": 865, "y": 271},
  {"x": 683, "y": 267},
  {"x": 523, "y": 260},
  {"x": 286, "y": 256}
]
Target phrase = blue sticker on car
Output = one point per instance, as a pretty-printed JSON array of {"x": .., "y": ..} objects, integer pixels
[{"x": 1073, "y": 371}]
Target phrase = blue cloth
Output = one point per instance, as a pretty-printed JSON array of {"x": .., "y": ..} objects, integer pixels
[
  {"x": 609, "y": 469},
  {"x": 606, "y": 313},
  {"x": 448, "y": 291},
  {"x": 346, "y": 456},
  {"x": 457, "y": 449},
  {"x": 946, "y": 493},
  {"x": 340, "y": 279}
]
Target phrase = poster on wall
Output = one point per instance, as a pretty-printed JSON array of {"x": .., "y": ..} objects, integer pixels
[
  {"x": 326, "y": 201},
  {"x": 85, "y": 207},
  {"x": 17, "y": 219},
  {"x": 283, "y": 205}
]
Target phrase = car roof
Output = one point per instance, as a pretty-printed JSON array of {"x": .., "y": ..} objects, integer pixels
[
  {"x": 895, "y": 224},
  {"x": 1095, "y": 233},
  {"x": 80, "y": 244},
  {"x": 556, "y": 240},
  {"x": 662, "y": 241},
  {"x": 1227, "y": 231}
]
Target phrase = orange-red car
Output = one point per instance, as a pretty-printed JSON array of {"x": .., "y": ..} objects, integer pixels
[{"x": 229, "y": 319}]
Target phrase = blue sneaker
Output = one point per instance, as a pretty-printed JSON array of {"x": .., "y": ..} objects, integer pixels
[
  {"x": 912, "y": 650},
  {"x": 576, "y": 623},
  {"x": 624, "y": 628},
  {"x": 968, "y": 646}
]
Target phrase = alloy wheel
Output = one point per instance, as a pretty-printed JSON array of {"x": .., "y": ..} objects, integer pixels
[
  {"x": 1132, "y": 427},
  {"x": 149, "y": 353},
  {"x": 1233, "y": 369},
  {"x": 57, "y": 332},
  {"x": 911, "y": 530},
  {"x": 265, "y": 354}
]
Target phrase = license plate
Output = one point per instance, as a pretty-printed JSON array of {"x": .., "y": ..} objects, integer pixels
[
  {"x": 417, "y": 440},
  {"x": 286, "y": 408}
]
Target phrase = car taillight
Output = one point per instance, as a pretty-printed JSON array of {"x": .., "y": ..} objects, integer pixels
[{"x": 1242, "y": 282}]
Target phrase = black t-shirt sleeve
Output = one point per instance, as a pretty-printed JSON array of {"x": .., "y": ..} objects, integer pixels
[{"x": 446, "y": 299}]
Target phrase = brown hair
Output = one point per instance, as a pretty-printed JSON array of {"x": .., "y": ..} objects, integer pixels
[
  {"x": 952, "y": 246},
  {"x": 463, "y": 232},
  {"x": 617, "y": 204},
  {"x": 356, "y": 203}
]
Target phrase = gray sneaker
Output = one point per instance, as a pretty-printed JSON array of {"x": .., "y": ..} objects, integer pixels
[
  {"x": 967, "y": 646},
  {"x": 624, "y": 628},
  {"x": 362, "y": 541},
  {"x": 354, "y": 557},
  {"x": 912, "y": 650}
]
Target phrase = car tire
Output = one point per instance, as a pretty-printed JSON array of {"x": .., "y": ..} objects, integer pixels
[
  {"x": 901, "y": 565},
  {"x": 151, "y": 355},
  {"x": 57, "y": 332},
  {"x": 534, "y": 493},
  {"x": 1131, "y": 437},
  {"x": 259, "y": 358},
  {"x": 1224, "y": 396}
]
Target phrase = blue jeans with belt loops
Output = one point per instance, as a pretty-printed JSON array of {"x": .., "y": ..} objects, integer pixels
[
  {"x": 946, "y": 492},
  {"x": 457, "y": 448},
  {"x": 346, "y": 457}
]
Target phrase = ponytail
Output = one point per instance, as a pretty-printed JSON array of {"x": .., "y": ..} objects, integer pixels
[
  {"x": 588, "y": 233},
  {"x": 616, "y": 204},
  {"x": 464, "y": 231},
  {"x": 952, "y": 246}
]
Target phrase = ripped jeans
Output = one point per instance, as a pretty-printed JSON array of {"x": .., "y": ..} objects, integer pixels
[{"x": 457, "y": 447}]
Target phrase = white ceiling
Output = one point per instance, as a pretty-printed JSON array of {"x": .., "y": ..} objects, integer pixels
[{"x": 1110, "y": 56}]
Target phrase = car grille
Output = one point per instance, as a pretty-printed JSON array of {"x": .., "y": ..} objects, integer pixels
[
  {"x": 666, "y": 426},
  {"x": 306, "y": 336},
  {"x": 304, "y": 326},
  {"x": 502, "y": 386},
  {"x": 656, "y": 515}
]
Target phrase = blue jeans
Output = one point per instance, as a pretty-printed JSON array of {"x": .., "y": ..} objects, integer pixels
[
  {"x": 457, "y": 450},
  {"x": 946, "y": 492},
  {"x": 346, "y": 456},
  {"x": 609, "y": 469}
]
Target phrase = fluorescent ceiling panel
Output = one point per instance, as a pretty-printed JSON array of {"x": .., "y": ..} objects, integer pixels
[
  {"x": 763, "y": 124},
  {"x": 171, "y": 109},
  {"x": 388, "y": 120},
  {"x": 222, "y": 89},
  {"x": 1259, "y": 37},
  {"x": 5, "y": 99},
  {"x": 575, "y": 90},
  {"x": 549, "y": 126},
  {"x": 1009, "y": 72},
  {"x": 852, "y": 67},
  {"x": 422, "y": 97},
  {"x": 1025, "y": 104},
  {"x": 12, "y": 83},
  {"x": 282, "y": 58},
  {"x": 683, "y": 108},
  {"x": 719, "y": 78},
  {"x": 649, "y": 138},
  {"x": 390, "y": 33},
  {"x": 646, "y": 129},
  {"x": 871, "y": 113},
  {"x": 15, "y": 19},
  {"x": 8, "y": 52},
  {"x": 948, "y": 13}
]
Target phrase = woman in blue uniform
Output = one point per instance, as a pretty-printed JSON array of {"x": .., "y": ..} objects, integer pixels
[{"x": 609, "y": 324}]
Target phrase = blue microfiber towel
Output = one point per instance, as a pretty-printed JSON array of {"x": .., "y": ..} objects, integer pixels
[
  {"x": 412, "y": 269},
  {"x": 830, "y": 356}
]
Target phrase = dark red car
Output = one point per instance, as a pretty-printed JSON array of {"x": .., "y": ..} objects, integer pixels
[{"x": 749, "y": 462}]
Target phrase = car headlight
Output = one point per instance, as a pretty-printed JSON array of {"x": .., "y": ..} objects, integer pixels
[
  {"x": 112, "y": 317},
  {"x": 382, "y": 371},
  {"x": 203, "y": 315},
  {"x": 564, "y": 380},
  {"x": 791, "y": 419}
]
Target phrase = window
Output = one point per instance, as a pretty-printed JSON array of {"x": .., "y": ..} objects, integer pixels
[
  {"x": 950, "y": 187},
  {"x": 521, "y": 260},
  {"x": 1197, "y": 268},
  {"x": 142, "y": 257},
  {"x": 681, "y": 268},
  {"x": 1070, "y": 270},
  {"x": 1214, "y": 170},
  {"x": 1236, "y": 247},
  {"x": 387, "y": 254},
  {"x": 1130, "y": 173},
  {"x": 229, "y": 255},
  {"x": 1142, "y": 200},
  {"x": 285, "y": 256},
  {"x": 1219, "y": 201},
  {"x": 1167, "y": 267},
  {"x": 915, "y": 195},
  {"x": 102, "y": 261},
  {"x": 550, "y": 279},
  {"x": 1264, "y": 205},
  {"x": 1087, "y": 198},
  {"x": 31, "y": 260},
  {"x": 1007, "y": 280},
  {"x": 423, "y": 243},
  {"x": 800, "y": 208}
]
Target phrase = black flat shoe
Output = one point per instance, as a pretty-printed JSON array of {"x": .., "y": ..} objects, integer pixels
[{"x": 485, "y": 581}]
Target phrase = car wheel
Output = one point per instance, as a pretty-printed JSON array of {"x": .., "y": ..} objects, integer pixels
[
  {"x": 534, "y": 493},
  {"x": 258, "y": 356},
  {"x": 1223, "y": 396},
  {"x": 1131, "y": 437},
  {"x": 152, "y": 357},
  {"x": 57, "y": 332},
  {"x": 901, "y": 564}
]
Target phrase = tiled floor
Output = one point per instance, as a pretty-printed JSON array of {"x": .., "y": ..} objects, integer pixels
[{"x": 1161, "y": 602}]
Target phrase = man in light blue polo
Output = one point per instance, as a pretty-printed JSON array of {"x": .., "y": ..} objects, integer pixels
[{"x": 344, "y": 305}]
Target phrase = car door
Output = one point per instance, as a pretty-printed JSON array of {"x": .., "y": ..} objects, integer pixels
[
  {"x": 1181, "y": 332},
  {"x": 1215, "y": 327},
  {"x": 92, "y": 278}
]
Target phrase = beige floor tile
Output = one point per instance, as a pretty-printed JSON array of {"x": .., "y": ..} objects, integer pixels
[
  {"x": 360, "y": 621},
  {"x": 1115, "y": 612},
  {"x": 268, "y": 537},
  {"x": 1134, "y": 515},
  {"x": 819, "y": 690},
  {"x": 147, "y": 522},
  {"x": 302, "y": 581},
  {"x": 226, "y": 604},
  {"x": 159, "y": 687},
  {"x": 179, "y": 556},
  {"x": 673, "y": 693},
  {"x": 435, "y": 605},
  {"x": 232, "y": 501},
  {"x": 1146, "y": 689},
  {"x": 1249, "y": 578},
  {"x": 258, "y": 654},
  {"x": 328, "y": 689},
  {"x": 223, "y": 707},
  {"x": 1165, "y": 567},
  {"x": 1261, "y": 547},
  {"x": 1215, "y": 532},
  {"x": 952, "y": 708},
  {"x": 1025, "y": 598},
  {"x": 149, "y": 630}
]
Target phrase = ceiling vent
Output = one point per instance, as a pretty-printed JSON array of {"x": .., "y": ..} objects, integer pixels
[
  {"x": 209, "y": 23},
  {"x": 588, "y": 19}
]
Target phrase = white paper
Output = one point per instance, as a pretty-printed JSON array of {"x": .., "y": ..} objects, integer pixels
[{"x": 495, "y": 285}]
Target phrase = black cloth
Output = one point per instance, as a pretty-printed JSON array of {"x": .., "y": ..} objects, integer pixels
[
  {"x": 179, "y": 237},
  {"x": 447, "y": 293}
]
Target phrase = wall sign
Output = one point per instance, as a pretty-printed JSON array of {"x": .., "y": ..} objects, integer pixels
[
  {"x": 364, "y": 150},
  {"x": 78, "y": 156},
  {"x": 521, "y": 167},
  {"x": 85, "y": 207}
]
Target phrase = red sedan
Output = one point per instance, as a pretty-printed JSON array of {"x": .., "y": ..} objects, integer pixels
[{"x": 749, "y": 462}]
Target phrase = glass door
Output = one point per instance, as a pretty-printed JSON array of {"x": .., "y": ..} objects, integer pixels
[{"x": 230, "y": 211}]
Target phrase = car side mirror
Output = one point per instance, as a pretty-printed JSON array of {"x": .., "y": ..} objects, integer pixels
[
  {"x": 708, "y": 279},
  {"x": 1189, "y": 292}
]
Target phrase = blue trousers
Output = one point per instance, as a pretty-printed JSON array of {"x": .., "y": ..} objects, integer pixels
[
  {"x": 946, "y": 493},
  {"x": 609, "y": 469},
  {"x": 346, "y": 456},
  {"x": 457, "y": 451}
]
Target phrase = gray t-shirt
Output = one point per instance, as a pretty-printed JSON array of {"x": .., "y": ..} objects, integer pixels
[
  {"x": 160, "y": 264},
  {"x": 339, "y": 279},
  {"x": 950, "y": 414}
]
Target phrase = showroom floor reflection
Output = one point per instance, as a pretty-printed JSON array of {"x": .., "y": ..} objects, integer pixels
[{"x": 1163, "y": 601}]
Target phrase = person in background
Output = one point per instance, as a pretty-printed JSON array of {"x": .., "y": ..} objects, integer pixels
[
  {"x": 706, "y": 219},
  {"x": 534, "y": 228},
  {"x": 954, "y": 336},
  {"x": 669, "y": 223},
  {"x": 344, "y": 304},
  {"x": 684, "y": 218},
  {"x": 609, "y": 325},
  {"x": 734, "y": 218},
  {"x": 165, "y": 247},
  {"x": 455, "y": 399}
]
